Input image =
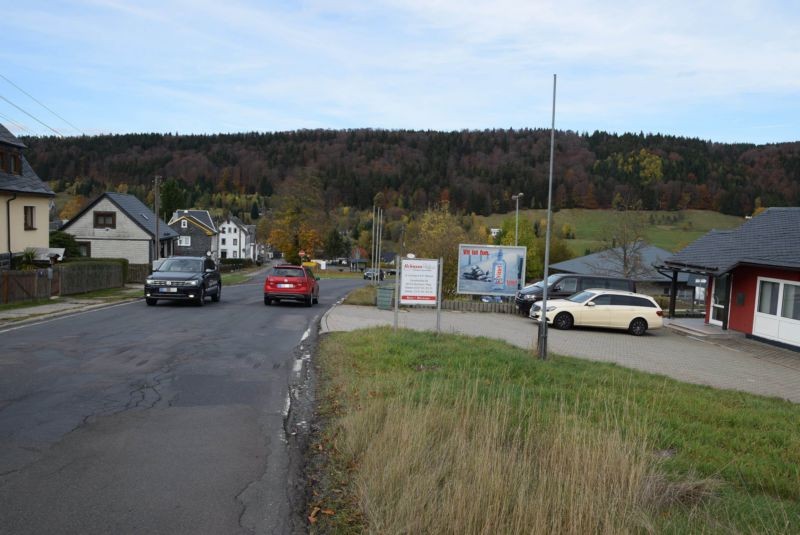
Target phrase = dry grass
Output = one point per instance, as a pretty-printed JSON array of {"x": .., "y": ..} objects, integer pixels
[
  {"x": 491, "y": 467},
  {"x": 364, "y": 296}
]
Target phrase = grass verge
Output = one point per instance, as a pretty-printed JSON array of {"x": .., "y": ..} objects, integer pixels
[
  {"x": 364, "y": 296},
  {"x": 450, "y": 434}
]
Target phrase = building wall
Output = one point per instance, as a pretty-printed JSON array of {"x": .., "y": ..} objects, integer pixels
[
  {"x": 232, "y": 232},
  {"x": 21, "y": 239},
  {"x": 743, "y": 290},
  {"x": 136, "y": 251},
  {"x": 201, "y": 242}
]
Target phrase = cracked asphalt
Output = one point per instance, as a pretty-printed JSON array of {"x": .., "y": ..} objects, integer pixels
[{"x": 168, "y": 419}]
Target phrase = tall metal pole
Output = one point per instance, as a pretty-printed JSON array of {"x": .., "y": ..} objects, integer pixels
[
  {"x": 516, "y": 218},
  {"x": 372, "y": 244},
  {"x": 380, "y": 246},
  {"x": 156, "y": 203},
  {"x": 543, "y": 315}
]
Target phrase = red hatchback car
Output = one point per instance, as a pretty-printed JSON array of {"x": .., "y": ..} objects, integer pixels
[{"x": 296, "y": 283}]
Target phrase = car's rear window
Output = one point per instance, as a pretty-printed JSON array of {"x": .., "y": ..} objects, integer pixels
[{"x": 287, "y": 272}]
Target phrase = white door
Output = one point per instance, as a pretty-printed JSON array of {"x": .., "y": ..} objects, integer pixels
[{"x": 719, "y": 300}]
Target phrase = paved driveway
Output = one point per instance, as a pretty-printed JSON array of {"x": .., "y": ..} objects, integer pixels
[{"x": 740, "y": 365}]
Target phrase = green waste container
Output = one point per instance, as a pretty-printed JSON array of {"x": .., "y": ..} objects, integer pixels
[{"x": 385, "y": 296}]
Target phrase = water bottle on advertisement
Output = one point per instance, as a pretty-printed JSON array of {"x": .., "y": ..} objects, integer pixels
[{"x": 499, "y": 272}]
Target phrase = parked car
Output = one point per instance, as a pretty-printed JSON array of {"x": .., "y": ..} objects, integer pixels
[
  {"x": 603, "y": 308},
  {"x": 293, "y": 283},
  {"x": 372, "y": 274},
  {"x": 563, "y": 285},
  {"x": 187, "y": 278}
]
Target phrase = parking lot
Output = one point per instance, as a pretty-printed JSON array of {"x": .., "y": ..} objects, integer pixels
[{"x": 737, "y": 364}]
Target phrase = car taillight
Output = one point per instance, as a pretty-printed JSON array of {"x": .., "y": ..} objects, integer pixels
[{"x": 659, "y": 312}]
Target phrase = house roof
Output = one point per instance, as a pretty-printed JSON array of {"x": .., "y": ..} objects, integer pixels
[
  {"x": 608, "y": 264},
  {"x": 10, "y": 139},
  {"x": 200, "y": 216},
  {"x": 27, "y": 182},
  {"x": 236, "y": 221},
  {"x": 135, "y": 209},
  {"x": 771, "y": 238}
]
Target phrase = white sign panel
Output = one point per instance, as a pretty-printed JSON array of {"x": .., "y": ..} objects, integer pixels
[{"x": 419, "y": 281}]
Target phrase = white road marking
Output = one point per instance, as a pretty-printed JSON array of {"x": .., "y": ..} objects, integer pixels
[{"x": 306, "y": 335}]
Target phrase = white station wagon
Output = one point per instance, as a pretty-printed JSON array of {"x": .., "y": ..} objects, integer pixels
[{"x": 603, "y": 308}]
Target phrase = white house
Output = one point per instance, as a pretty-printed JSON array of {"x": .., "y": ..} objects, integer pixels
[
  {"x": 117, "y": 225},
  {"x": 236, "y": 240}
]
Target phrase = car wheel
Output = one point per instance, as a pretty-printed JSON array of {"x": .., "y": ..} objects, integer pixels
[
  {"x": 563, "y": 321},
  {"x": 217, "y": 296},
  {"x": 315, "y": 299},
  {"x": 309, "y": 301},
  {"x": 201, "y": 299},
  {"x": 267, "y": 301},
  {"x": 638, "y": 327},
  {"x": 150, "y": 302}
]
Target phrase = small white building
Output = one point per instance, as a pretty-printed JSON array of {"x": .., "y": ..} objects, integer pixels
[{"x": 236, "y": 240}]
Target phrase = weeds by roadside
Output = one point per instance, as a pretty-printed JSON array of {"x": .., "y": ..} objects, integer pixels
[{"x": 465, "y": 435}]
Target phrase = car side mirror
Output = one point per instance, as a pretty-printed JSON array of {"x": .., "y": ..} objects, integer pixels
[
  {"x": 316, "y": 277},
  {"x": 590, "y": 304},
  {"x": 556, "y": 288},
  {"x": 209, "y": 270}
]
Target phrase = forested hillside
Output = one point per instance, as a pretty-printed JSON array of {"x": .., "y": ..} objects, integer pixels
[{"x": 475, "y": 171}]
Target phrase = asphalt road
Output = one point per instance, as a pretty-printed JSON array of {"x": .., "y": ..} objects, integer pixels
[{"x": 168, "y": 419}]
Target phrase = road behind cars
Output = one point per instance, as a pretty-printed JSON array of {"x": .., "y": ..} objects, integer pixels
[{"x": 661, "y": 352}]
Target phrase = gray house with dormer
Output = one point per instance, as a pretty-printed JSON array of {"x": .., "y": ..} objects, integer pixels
[{"x": 197, "y": 234}]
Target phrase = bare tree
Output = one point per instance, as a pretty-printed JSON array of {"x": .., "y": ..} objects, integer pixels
[{"x": 625, "y": 241}]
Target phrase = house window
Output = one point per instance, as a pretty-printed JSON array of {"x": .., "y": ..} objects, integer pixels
[
  {"x": 790, "y": 307},
  {"x": 105, "y": 220},
  {"x": 85, "y": 248},
  {"x": 223, "y": 241},
  {"x": 235, "y": 254},
  {"x": 768, "y": 298},
  {"x": 222, "y": 230},
  {"x": 30, "y": 218},
  {"x": 235, "y": 241},
  {"x": 184, "y": 223},
  {"x": 184, "y": 241}
]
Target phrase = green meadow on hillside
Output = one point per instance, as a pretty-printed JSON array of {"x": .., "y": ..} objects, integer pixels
[{"x": 669, "y": 230}]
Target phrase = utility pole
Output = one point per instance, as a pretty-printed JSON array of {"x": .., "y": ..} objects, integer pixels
[
  {"x": 156, "y": 200},
  {"x": 543, "y": 315},
  {"x": 516, "y": 218}
]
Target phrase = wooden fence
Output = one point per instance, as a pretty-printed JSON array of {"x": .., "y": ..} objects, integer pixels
[
  {"x": 479, "y": 306},
  {"x": 138, "y": 272},
  {"x": 18, "y": 286},
  {"x": 65, "y": 279}
]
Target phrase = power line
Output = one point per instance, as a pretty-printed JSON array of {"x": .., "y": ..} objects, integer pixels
[
  {"x": 15, "y": 123},
  {"x": 41, "y": 104},
  {"x": 32, "y": 117}
]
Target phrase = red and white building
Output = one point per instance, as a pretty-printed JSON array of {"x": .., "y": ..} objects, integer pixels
[{"x": 753, "y": 275}]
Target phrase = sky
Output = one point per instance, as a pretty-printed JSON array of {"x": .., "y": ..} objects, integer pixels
[{"x": 726, "y": 71}]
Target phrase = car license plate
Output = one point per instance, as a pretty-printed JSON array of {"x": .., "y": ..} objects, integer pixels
[
  {"x": 286, "y": 286},
  {"x": 168, "y": 290}
]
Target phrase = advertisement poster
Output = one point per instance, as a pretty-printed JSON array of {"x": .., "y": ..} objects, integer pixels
[
  {"x": 490, "y": 269},
  {"x": 419, "y": 281}
]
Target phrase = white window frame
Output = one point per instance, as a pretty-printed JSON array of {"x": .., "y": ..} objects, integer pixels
[
  {"x": 184, "y": 241},
  {"x": 184, "y": 223},
  {"x": 775, "y": 327}
]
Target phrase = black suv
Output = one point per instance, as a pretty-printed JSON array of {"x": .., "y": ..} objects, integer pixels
[
  {"x": 186, "y": 278},
  {"x": 563, "y": 285}
]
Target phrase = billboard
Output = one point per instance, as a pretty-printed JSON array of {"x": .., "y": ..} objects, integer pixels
[
  {"x": 419, "y": 281},
  {"x": 490, "y": 269}
]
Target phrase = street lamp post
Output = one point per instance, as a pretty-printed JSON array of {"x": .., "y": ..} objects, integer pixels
[{"x": 516, "y": 218}]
